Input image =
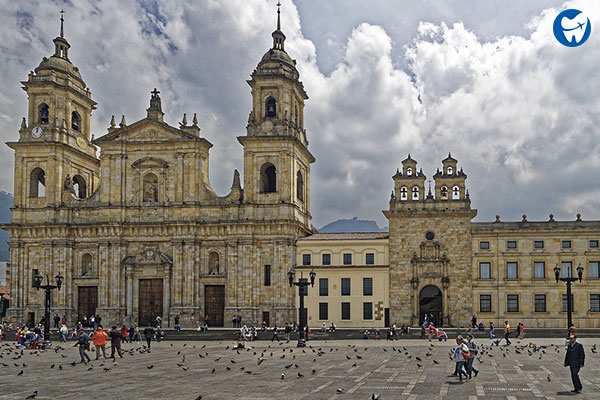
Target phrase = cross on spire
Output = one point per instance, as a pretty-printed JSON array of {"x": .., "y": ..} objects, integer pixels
[
  {"x": 278, "y": 12},
  {"x": 62, "y": 20}
]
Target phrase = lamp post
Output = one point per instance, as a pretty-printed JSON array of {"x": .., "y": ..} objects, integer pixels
[
  {"x": 302, "y": 284},
  {"x": 37, "y": 283},
  {"x": 1, "y": 304},
  {"x": 568, "y": 280}
]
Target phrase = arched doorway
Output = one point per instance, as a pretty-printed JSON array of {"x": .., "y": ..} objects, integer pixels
[{"x": 430, "y": 302}]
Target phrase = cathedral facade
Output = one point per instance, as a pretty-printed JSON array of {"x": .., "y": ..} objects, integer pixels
[{"x": 137, "y": 232}]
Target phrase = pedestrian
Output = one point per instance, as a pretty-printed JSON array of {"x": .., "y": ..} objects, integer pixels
[
  {"x": 574, "y": 359},
  {"x": 288, "y": 331},
  {"x": 63, "y": 331},
  {"x": 460, "y": 352},
  {"x": 233, "y": 321},
  {"x": 136, "y": 334},
  {"x": 522, "y": 331},
  {"x": 158, "y": 321},
  {"x": 474, "y": 321},
  {"x": 159, "y": 334},
  {"x": 323, "y": 327},
  {"x": 131, "y": 332},
  {"x": 84, "y": 343},
  {"x": 100, "y": 338},
  {"x": 56, "y": 321},
  {"x": 426, "y": 321},
  {"x": 431, "y": 319},
  {"x": 492, "y": 330},
  {"x": 275, "y": 333},
  {"x": 148, "y": 334},
  {"x": 239, "y": 321},
  {"x": 115, "y": 341},
  {"x": 63, "y": 320},
  {"x": 92, "y": 320},
  {"x": 124, "y": 333},
  {"x": 507, "y": 332},
  {"x": 332, "y": 327},
  {"x": 473, "y": 350}
]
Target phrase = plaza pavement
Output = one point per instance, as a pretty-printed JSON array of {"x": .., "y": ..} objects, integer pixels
[{"x": 358, "y": 368}]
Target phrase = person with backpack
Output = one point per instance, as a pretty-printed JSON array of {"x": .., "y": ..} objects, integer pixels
[
  {"x": 461, "y": 355},
  {"x": 84, "y": 343}
]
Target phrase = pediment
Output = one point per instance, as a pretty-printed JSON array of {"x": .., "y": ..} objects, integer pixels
[
  {"x": 150, "y": 162},
  {"x": 147, "y": 131}
]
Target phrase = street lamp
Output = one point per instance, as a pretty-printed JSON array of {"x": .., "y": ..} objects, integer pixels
[
  {"x": 568, "y": 280},
  {"x": 37, "y": 283},
  {"x": 302, "y": 284}
]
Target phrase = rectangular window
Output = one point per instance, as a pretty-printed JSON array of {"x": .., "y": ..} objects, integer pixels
[
  {"x": 565, "y": 305},
  {"x": 594, "y": 269},
  {"x": 345, "y": 310},
  {"x": 367, "y": 286},
  {"x": 345, "y": 286},
  {"x": 306, "y": 259},
  {"x": 593, "y": 244},
  {"x": 565, "y": 244},
  {"x": 267, "y": 275},
  {"x": 326, "y": 259},
  {"x": 566, "y": 268},
  {"x": 538, "y": 244},
  {"x": 512, "y": 303},
  {"x": 367, "y": 310},
  {"x": 323, "y": 287},
  {"x": 370, "y": 258},
  {"x": 347, "y": 258},
  {"x": 485, "y": 303},
  {"x": 34, "y": 272},
  {"x": 540, "y": 303},
  {"x": 485, "y": 270},
  {"x": 594, "y": 302},
  {"x": 484, "y": 245},
  {"x": 512, "y": 270},
  {"x": 511, "y": 244},
  {"x": 539, "y": 270},
  {"x": 323, "y": 311}
]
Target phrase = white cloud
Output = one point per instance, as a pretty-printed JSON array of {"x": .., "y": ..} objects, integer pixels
[{"x": 519, "y": 112}]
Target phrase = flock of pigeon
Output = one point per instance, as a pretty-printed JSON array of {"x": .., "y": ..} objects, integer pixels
[{"x": 12, "y": 356}]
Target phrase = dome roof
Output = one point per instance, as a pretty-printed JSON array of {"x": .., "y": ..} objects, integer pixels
[
  {"x": 59, "y": 64},
  {"x": 277, "y": 55}
]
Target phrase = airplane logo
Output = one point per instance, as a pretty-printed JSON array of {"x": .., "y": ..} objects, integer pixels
[{"x": 572, "y": 28}]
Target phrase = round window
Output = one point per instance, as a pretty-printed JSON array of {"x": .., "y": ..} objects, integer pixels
[{"x": 429, "y": 235}]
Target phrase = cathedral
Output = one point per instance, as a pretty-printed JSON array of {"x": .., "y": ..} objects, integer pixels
[{"x": 137, "y": 232}]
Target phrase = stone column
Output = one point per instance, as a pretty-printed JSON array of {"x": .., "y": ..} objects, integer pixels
[
  {"x": 129, "y": 298},
  {"x": 167, "y": 296}
]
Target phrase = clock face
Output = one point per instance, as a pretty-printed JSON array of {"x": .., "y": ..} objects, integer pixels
[{"x": 37, "y": 132}]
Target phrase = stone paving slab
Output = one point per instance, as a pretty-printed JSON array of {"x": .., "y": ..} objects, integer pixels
[{"x": 359, "y": 368}]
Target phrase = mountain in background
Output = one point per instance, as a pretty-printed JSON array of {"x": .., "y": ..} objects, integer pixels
[
  {"x": 6, "y": 202},
  {"x": 352, "y": 225}
]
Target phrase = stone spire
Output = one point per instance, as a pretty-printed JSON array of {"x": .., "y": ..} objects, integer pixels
[
  {"x": 61, "y": 46},
  {"x": 278, "y": 36}
]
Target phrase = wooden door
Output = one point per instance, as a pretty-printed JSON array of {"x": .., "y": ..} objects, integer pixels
[
  {"x": 87, "y": 301},
  {"x": 214, "y": 304},
  {"x": 151, "y": 301}
]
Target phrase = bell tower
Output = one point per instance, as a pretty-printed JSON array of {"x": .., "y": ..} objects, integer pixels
[
  {"x": 54, "y": 157},
  {"x": 276, "y": 157}
]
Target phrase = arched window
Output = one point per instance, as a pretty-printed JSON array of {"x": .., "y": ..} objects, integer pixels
[
  {"x": 75, "y": 121},
  {"x": 455, "y": 193},
  {"x": 43, "y": 113},
  {"x": 444, "y": 192},
  {"x": 213, "y": 263},
  {"x": 150, "y": 188},
  {"x": 268, "y": 178},
  {"x": 271, "y": 108},
  {"x": 86, "y": 264},
  {"x": 415, "y": 193},
  {"x": 299, "y": 186},
  {"x": 409, "y": 171},
  {"x": 37, "y": 183},
  {"x": 449, "y": 171},
  {"x": 403, "y": 193},
  {"x": 79, "y": 186}
]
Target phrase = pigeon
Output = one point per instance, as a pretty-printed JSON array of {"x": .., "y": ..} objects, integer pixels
[
  {"x": 150, "y": 366},
  {"x": 548, "y": 378},
  {"x": 105, "y": 369},
  {"x": 60, "y": 367},
  {"x": 248, "y": 372},
  {"x": 435, "y": 362},
  {"x": 282, "y": 375},
  {"x": 186, "y": 368},
  {"x": 213, "y": 370},
  {"x": 418, "y": 358},
  {"x": 32, "y": 395},
  {"x": 228, "y": 368},
  {"x": 20, "y": 372},
  {"x": 199, "y": 397},
  {"x": 300, "y": 375},
  {"x": 314, "y": 371},
  {"x": 374, "y": 396},
  {"x": 339, "y": 390},
  {"x": 419, "y": 365}
]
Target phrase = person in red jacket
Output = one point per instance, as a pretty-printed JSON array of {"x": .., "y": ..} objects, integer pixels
[{"x": 100, "y": 338}]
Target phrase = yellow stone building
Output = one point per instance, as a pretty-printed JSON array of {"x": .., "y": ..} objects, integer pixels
[{"x": 138, "y": 232}]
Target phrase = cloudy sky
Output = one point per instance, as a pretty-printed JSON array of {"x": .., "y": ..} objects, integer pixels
[{"x": 484, "y": 80}]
